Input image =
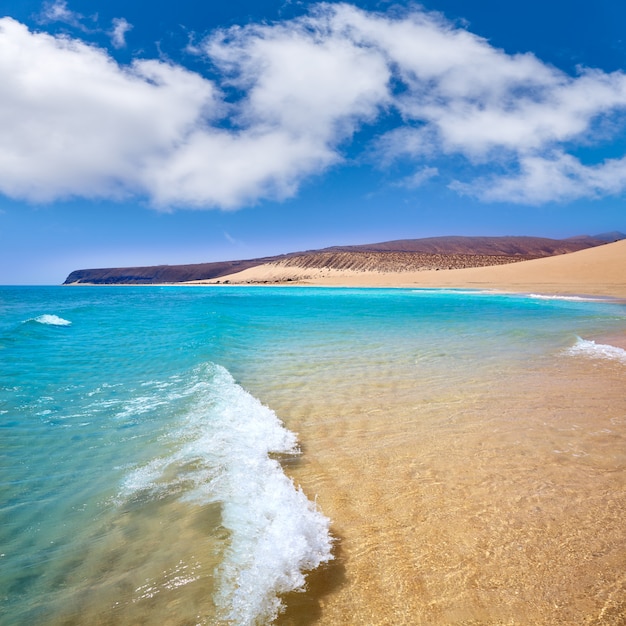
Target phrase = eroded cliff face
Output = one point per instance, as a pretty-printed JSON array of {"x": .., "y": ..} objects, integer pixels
[{"x": 396, "y": 256}]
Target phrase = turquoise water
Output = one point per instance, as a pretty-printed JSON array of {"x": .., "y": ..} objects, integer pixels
[{"x": 142, "y": 478}]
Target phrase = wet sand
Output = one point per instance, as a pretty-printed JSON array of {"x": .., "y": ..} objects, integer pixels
[
  {"x": 486, "y": 502},
  {"x": 479, "y": 500}
]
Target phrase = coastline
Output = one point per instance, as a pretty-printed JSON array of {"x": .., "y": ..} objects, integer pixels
[
  {"x": 597, "y": 272},
  {"x": 469, "y": 462},
  {"x": 462, "y": 490}
]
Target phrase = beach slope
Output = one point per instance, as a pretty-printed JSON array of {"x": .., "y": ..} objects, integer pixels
[{"x": 595, "y": 271}]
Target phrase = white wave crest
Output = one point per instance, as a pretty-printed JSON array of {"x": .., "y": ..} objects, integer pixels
[
  {"x": 276, "y": 533},
  {"x": 538, "y": 296},
  {"x": 584, "y": 347},
  {"x": 51, "y": 320}
]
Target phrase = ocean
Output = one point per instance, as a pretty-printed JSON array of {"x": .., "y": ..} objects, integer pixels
[{"x": 254, "y": 455}]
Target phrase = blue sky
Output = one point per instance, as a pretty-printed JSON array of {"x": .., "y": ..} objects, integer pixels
[{"x": 185, "y": 132}]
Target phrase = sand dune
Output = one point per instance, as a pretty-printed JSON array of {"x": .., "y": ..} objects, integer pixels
[
  {"x": 387, "y": 256},
  {"x": 595, "y": 271}
]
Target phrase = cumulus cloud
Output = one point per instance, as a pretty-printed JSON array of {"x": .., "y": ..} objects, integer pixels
[
  {"x": 302, "y": 76},
  {"x": 74, "y": 123},
  {"x": 285, "y": 100},
  {"x": 557, "y": 177},
  {"x": 462, "y": 96},
  {"x": 304, "y": 92}
]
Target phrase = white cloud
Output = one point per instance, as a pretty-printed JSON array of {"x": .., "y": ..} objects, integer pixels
[
  {"x": 118, "y": 34},
  {"x": 73, "y": 122},
  {"x": 302, "y": 77},
  {"x": 472, "y": 98},
  {"x": 462, "y": 96},
  {"x": 557, "y": 178},
  {"x": 76, "y": 123},
  {"x": 418, "y": 178},
  {"x": 58, "y": 11},
  {"x": 230, "y": 169}
]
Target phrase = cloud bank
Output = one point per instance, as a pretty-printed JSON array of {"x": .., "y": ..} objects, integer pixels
[{"x": 283, "y": 104}]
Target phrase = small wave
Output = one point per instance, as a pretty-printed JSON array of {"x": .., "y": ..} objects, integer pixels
[
  {"x": 538, "y": 296},
  {"x": 456, "y": 292},
  {"x": 276, "y": 533},
  {"x": 51, "y": 320},
  {"x": 595, "y": 350}
]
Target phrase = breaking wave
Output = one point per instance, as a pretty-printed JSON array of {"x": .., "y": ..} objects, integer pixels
[
  {"x": 584, "y": 347},
  {"x": 51, "y": 320},
  {"x": 222, "y": 456},
  {"x": 538, "y": 296}
]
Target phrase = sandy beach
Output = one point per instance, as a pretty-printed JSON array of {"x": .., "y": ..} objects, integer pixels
[
  {"x": 471, "y": 466},
  {"x": 599, "y": 271},
  {"x": 458, "y": 493},
  {"x": 475, "y": 515}
]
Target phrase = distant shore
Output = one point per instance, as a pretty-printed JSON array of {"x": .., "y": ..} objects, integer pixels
[{"x": 599, "y": 271}]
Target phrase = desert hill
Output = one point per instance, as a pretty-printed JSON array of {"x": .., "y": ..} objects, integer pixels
[
  {"x": 488, "y": 246},
  {"x": 392, "y": 256},
  {"x": 594, "y": 271}
]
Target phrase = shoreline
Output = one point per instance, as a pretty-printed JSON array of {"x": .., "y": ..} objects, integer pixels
[
  {"x": 468, "y": 465},
  {"x": 595, "y": 272},
  {"x": 470, "y": 494},
  {"x": 600, "y": 296}
]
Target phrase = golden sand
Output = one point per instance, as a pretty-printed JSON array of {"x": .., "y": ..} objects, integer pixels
[
  {"x": 492, "y": 502},
  {"x": 489, "y": 503},
  {"x": 595, "y": 271}
]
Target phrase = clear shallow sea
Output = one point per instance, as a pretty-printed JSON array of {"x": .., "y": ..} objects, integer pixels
[{"x": 179, "y": 455}]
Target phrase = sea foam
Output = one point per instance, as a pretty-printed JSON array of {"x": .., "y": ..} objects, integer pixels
[
  {"x": 595, "y": 350},
  {"x": 222, "y": 456},
  {"x": 51, "y": 320},
  {"x": 538, "y": 296}
]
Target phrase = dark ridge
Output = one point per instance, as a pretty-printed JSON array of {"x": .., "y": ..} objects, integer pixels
[
  {"x": 406, "y": 253},
  {"x": 498, "y": 246},
  {"x": 611, "y": 237},
  {"x": 161, "y": 273}
]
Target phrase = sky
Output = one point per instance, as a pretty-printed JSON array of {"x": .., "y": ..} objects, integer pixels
[{"x": 183, "y": 132}]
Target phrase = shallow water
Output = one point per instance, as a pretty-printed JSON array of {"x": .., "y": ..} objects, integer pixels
[
  {"x": 468, "y": 448},
  {"x": 492, "y": 504}
]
